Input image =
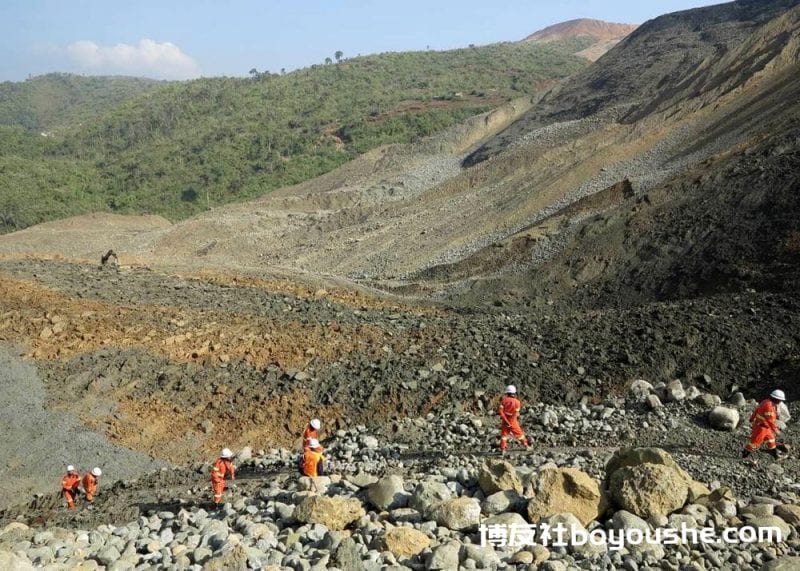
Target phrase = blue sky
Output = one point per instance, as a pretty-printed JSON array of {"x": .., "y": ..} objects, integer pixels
[{"x": 178, "y": 39}]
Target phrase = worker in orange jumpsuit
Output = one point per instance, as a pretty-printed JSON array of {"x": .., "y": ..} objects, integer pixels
[
  {"x": 312, "y": 461},
  {"x": 222, "y": 468},
  {"x": 764, "y": 422},
  {"x": 311, "y": 432},
  {"x": 90, "y": 483},
  {"x": 69, "y": 486},
  {"x": 509, "y": 414}
]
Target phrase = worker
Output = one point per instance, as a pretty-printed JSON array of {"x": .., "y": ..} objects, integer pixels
[
  {"x": 764, "y": 422},
  {"x": 69, "y": 486},
  {"x": 223, "y": 468},
  {"x": 311, "y": 432},
  {"x": 312, "y": 461},
  {"x": 90, "y": 483},
  {"x": 509, "y": 424}
]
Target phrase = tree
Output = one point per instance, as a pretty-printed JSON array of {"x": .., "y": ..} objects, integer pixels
[
  {"x": 283, "y": 71},
  {"x": 328, "y": 61},
  {"x": 253, "y": 73},
  {"x": 338, "y": 55}
]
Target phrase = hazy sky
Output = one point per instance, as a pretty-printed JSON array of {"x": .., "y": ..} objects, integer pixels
[{"x": 179, "y": 39}]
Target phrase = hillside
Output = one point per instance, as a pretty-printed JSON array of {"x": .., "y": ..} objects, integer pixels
[
  {"x": 191, "y": 145},
  {"x": 597, "y": 35},
  {"x": 51, "y": 102}
]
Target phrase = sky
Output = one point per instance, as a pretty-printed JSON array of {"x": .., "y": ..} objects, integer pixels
[{"x": 184, "y": 39}]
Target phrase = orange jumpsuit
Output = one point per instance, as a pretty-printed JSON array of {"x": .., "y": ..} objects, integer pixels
[
  {"x": 69, "y": 487},
  {"x": 90, "y": 486},
  {"x": 313, "y": 463},
  {"x": 509, "y": 423},
  {"x": 308, "y": 434},
  {"x": 222, "y": 467},
  {"x": 765, "y": 426}
]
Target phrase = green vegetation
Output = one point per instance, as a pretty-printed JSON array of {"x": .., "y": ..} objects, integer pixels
[
  {"x": 55, "y": 100},
  {"x": 223, "y": 139}
]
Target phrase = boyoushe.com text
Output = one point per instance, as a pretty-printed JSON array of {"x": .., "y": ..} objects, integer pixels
[{"x": 562, "y": 535}]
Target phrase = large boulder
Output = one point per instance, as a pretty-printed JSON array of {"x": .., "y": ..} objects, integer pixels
[
  {"x": 788, "y": 513},
  {"x": 333, "y": 513},
  {"x": 458, "y": 514},
  {"x": 649, "y": 490},
  {"x": 12, "y": 562},
  {"x": 445, "y": 557},
  {"x": 723, "y": 418},
  {"x": 674, "y": 391},
  {"x": 635, "y": 456},
  {"x": 405, "y": 541},
  {"x": 497, "y": 475},
  {"x": 428, "y": 493},
  {"x": 507, "y": 500},
  {"x": 625, "y": 521},
  {"x": 632, "y": 483},
  {"x": 388, "y": 493},
  {"x": 559, "y": 490},
  {"x": 773, "y": 521}
]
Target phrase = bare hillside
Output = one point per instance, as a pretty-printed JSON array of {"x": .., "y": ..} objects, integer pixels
[{"x": 603, "y": 35}]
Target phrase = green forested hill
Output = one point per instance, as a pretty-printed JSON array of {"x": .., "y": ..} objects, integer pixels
[
  {"x": 220, "y": 140},
  {"x": 56, "y": 100}
]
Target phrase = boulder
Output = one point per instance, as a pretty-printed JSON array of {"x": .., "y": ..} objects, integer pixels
[
  {"x": 388, "y": 493},
  {"x": 405, "y": 541},
  {"x": 649, "y": 489},
  {"x": 626, "y": 521},
  {"x": 485, "y": 557},
  {"x": 788, "y": 513},
  {"x": 785, "y": 563},
  {"x": 333, "y": 513},
  {"x": 428, "y": 493},
  {"x": 653, "y": 402},
  {"x": 640, "y": 389},
  {"x": 737, "y": 399},
  {"x": 723, "y": 418},
  {"x": 696, "y": 491},
  {"x": 362, "y": 479},
  {"x": 13, "y": 562},
  {"x": 444, "y": 557},
  {"x": 348, "y": 556},
  {"x": 674, "y": 391},
  {"x": 507, "y": 519},
  {"x": 497, "y": 475},
  {"x": 643, "y": 455},
  {"x": 507, "y": 500},
  {"x": 458, "y": 514},
  {"x": 234, "y": 559},
  {"x": 708, "y": 399},
  {"x": 771, "y": 521},
  {"x": 559, "y": 490}
]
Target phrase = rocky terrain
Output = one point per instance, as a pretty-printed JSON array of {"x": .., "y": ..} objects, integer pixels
[
  {"x": 602, "y": 35},
  {"x": 413, "y": 495},
  {"x": 624, "y": 249}
]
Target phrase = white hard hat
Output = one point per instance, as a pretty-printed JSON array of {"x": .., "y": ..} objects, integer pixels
[
  {"x": 315, "y": 423},
  {"x": 313, "y": 443},
  {"x": 778, "y": 394},
  {"x": 226, "y": 453},
  {"x": 97, "y": 472},
  {"x": 70, "y": 468},
  {"x": 511, "y": 390}
]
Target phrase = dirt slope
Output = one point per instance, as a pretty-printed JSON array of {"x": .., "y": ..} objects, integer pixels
[{"x": 604, "y": 35}]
